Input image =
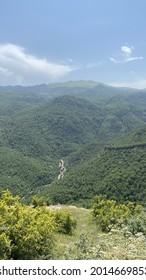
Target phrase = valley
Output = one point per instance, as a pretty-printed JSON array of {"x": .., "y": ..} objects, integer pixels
[
  {"x": 83, "y": 123},
  {"x": 69, "y": 153}
]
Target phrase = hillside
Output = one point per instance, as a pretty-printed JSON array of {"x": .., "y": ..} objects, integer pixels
[
  {"x": 33, "y": 141},
  {"x": 115, "y": 171},
  {"x": 11, "y": 102},
  {"x": 65, "y": 123},
  {"x": 24, "y": 175},
  {"x": 37, "y": 131},
  {"x": 88, "y": 242},
  {"x": 56, "y": 128}
]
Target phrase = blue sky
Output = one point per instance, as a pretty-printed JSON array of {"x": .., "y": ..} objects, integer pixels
[{"x": 43, "y": 41}]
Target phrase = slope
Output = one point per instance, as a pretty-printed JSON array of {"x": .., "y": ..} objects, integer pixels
[
  {"x": 13, "y": 102},
  {"x": 118, "y": 172},
  {"x": 54, "y": 130},
  {"x": 24, "y": 175}
]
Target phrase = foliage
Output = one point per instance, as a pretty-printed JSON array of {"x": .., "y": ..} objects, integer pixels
[
  {"x": 38, "y": 201},
  {"x": 118, "y": 173},
  {"x": 107, "y": 213},
  {"x": 25, "y": 233},
  {"x": 88, "y": 242},
  {"x": 83, "y": 249},
  {"x": 137, "y": 224},
  {"x": 66, "y": 223},
  {"x": 41, "y": 124},
  {"x": 25, "y": 175},
  {"x": 12, "y": 101}
]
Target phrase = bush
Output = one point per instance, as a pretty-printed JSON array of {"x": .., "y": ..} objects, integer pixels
[
  {"x": 25, "y": 232},
  {"x": 108, "y": 213},
  {"x": 65, "y": 222},
  {"x": 38, "y": 201},
  {"x": 137, "y": 224}
]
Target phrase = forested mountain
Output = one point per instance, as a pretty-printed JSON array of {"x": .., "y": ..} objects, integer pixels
[
  {"x": 117, "y": 172},
  {"x": 11, "y": 103},
  {"x": 98, "y": 130}
]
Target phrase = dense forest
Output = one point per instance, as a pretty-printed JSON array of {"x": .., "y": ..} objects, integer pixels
[
  {"x": 80, "y": 122},
  {"x": 76, "y": 143}
]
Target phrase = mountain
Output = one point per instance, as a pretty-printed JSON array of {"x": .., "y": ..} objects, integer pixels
[
  {"x": 53, "y": 90},
  {"x": 56, "y": 128},
  {"x": 23, "y": 175},
  {"x": 33, "y": 141},
  {"x": 89, "y": 89},
  {"x": 64, "y": 124},
  {"x": 87, "y": 124},
  {"x": 11, "y": 103},
  {"x": 115, "y": 171}
]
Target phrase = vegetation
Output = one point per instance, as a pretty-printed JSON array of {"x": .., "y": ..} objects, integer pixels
[
  {"x": 39, "y": 201},
  {"x": 89, "y": 242},
  {"x": 99, "y": 133},
  {"x": 24, "y": 175},
  {"x": 70, "y": 232},
  {"x": 66, "y": 223},
  {"x": 68, "y": 126},
  {"x": 117, "y": 173},
  {"x": 29, "y": 233},
  {"x": 108, "y": 213},
  {"x": 25, "y": 233}
]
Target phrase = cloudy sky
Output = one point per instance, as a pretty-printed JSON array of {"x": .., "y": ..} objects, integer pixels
[{"x": 43, "y": 41}]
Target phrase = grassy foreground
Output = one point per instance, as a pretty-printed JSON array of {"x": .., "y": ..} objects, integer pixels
[{"x": 89, "y": 242}]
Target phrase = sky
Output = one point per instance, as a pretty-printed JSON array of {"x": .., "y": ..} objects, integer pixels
[{"x": 45, "y": 41}]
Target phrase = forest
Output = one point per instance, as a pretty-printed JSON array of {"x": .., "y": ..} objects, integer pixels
[{"x": 98, "y": 131}]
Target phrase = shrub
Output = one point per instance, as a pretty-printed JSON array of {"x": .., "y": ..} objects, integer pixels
[
  {"x": 38, "y": 201},
  {"x": 137, "y": 224},
  {"x": 25, "y": 232},
  {"x": 108, "y": 213},
  {"x": 65, "y": 222}
]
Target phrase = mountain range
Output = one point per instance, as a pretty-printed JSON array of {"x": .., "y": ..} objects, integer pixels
[{"x": 98, "y": 130}]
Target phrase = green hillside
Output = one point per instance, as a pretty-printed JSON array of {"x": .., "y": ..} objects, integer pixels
[
  {"x": 65, "y": 123},
  {"x": 32, "y": 142},
  {"x": 89, "y": 125},
  {"x": 54, "y": 129},
  {"x": 115, "y": 171},
  {"x": 24, "y": 175},
  {"x": 11, "y": 102}
]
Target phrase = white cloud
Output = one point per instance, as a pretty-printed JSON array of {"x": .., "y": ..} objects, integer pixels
[
  {"x": 134, "y": 58},
  {"x": 19, "y": 67},
  {"x": 126, "y": 50},
  {"x": 126, "y": 53}
]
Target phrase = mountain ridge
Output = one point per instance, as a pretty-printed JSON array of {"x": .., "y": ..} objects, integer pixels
[{"x": 38, "y": 130}]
